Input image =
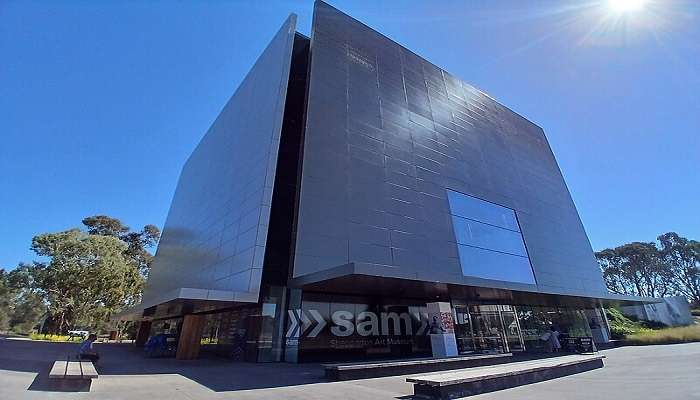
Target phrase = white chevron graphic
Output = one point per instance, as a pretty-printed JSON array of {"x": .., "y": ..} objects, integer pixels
[
  {"x": 294, "y": 323},
  {"x": 320, "y": 323},
  {"x": 305, "y": 321}
]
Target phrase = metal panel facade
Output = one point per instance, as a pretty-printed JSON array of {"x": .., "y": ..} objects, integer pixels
[
  {"x": 215, "y": 234},
  {"x": 388, "y": 134}
]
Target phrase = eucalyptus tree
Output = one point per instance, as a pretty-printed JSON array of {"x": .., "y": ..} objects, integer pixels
[
  {"x": 670, "y": 266},
  {"x": 86, "y": 278},
  {"x": 683, "y": 257}
]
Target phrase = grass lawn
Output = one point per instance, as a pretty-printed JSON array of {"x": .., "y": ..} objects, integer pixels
[{"x": 683, "y": 334}]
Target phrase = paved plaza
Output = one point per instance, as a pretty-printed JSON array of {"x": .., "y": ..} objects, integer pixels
[{"x": 652, "y": 372}]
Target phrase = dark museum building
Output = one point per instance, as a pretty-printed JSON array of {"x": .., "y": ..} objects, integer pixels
[{"x": 347, "y": 185}]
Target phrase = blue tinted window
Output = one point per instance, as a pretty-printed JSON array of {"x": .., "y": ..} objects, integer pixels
[
  {"x": 489, "y": 240},
  {"x": 494, "y": 265},
  {"x": 476, "y": 234},
  {"x": 483, "y": 211}
]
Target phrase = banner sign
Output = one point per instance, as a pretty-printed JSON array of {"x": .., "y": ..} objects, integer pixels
[{"x": 441, "y": 318}]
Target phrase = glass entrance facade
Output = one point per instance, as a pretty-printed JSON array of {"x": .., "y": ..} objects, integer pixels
[
  {"x": 534, "y": 321},
  {"x": 487, "y": 329},
  {"x": 503, "y": 328},
  {"x": 324, "y": 327}
]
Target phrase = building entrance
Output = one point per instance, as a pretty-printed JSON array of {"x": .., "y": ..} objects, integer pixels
[{"x": 487, "y": 329}]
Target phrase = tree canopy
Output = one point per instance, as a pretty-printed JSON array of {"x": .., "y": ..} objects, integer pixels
[
  {"x": 654, "y": 269},
  {"x": 20, "y": 307},
  {"x": 137, "y": 242},
  {"x": 84, "y": 276}
]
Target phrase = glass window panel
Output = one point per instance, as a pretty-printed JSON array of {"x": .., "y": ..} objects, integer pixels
[
  {"x": 483, "y": 211},
  {"x": 493, "y": 265},
  {"x": 488, "y": 237}
]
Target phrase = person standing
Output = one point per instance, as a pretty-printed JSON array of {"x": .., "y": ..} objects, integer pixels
[
  {"x": 554, "y": 339},
  {"x": 546, "y": 342}
]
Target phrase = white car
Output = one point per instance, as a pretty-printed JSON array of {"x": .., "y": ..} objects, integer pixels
[{"x": 83, "y": 334}]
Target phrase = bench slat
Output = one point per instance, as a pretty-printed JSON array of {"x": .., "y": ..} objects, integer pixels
[
  {"x": 58, "y": 370},
  {"x": 88, "y": 369},
  {"x": 73, "y": 370}
]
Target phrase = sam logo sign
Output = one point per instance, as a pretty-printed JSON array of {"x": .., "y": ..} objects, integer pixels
[{"x": 310, "y": 323}]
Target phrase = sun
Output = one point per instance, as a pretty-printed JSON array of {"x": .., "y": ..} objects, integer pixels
[{"x": 626, "y": 6}]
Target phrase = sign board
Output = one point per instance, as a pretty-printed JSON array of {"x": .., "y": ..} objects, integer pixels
[{"x": 442, "y": 329}]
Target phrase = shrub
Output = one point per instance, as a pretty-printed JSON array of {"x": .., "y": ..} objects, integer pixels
[
  {"x": 54, "y": 338},
  {"x": 622, "y": 326}
]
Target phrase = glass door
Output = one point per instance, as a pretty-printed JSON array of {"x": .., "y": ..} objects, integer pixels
[
  {"x": 463, "y": 330},
  {"x": 487, "y": 329},
  {"x": 488, "y": 333},
  {"x": 511, "y": 329}
]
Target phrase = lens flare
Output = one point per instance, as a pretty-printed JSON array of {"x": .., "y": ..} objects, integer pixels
[{"x": 624, "y": 6}]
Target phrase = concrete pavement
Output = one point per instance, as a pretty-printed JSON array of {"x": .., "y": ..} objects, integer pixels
[{"x": 652, "y": 372}]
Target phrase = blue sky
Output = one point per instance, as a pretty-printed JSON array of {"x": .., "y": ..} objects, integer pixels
[{"x": 102, "y": 102}]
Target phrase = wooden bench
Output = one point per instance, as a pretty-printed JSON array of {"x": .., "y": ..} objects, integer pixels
[
  {"x": 73, "y": 370},
  {"x": 472, "y": 381}
]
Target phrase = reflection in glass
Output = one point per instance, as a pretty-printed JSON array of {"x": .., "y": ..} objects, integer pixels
[
  {"x": 483, "y": 211},
  {"x": 472, "y": 233},
  {"x": 463, "y": 331},
  {"x": 534, "y": 321},
  {"x": 487, "y": 333},
  {"x": 487, "y": 328},
  {"x": 490, "y": 243},
  {"x": 494, "y": 265}
]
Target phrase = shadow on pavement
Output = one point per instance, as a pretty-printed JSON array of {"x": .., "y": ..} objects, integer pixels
[
  {"x": 42, "y": 383},
  {"x": 217, "y": 374}
]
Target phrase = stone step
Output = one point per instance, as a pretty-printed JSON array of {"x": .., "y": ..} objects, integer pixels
[{"x": 363, "y": 370}]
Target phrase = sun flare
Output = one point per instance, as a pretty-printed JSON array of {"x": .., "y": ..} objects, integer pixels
[{"x": 625, "y": 6}]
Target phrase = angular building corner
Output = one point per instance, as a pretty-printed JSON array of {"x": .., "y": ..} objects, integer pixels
[
  {"x": 348, "y": 183},
  {"x": 215, "y": 234}
]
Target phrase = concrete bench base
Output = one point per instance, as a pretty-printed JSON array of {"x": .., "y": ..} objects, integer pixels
[
  {"x": 343, "y": 372},
  {"x": 488, "y": 379}
]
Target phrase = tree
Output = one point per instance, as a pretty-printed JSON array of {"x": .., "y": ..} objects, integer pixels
[
  {"x": 655, "y": 269},
  {"x": 137, "y": 242},
  {"x": 84, "y": 277},
  {"x": 28, "y": 310},
  {"x": 683, "y": 256},
  {"x": 5, "y": 301},
  {"x": 105, "y": 226},
  {"x": 20, "y": 307},
  {"x": 614, "y": 272},
  {"x": 635, "y": 269},
  {"x": 88, "y": 277}
]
